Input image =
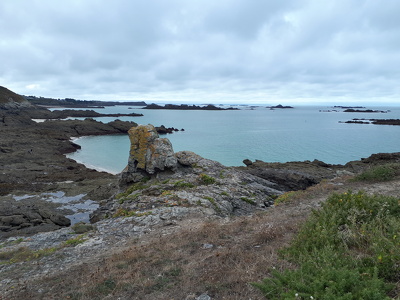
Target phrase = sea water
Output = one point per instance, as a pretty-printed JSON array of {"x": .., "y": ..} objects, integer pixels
[{"x": 279, "y": 135}]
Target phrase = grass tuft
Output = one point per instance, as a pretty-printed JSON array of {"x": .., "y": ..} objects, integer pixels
[{"x": 181, "y": 184}]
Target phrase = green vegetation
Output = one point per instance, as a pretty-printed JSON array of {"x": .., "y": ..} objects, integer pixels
[
  {"x": 82, "y": 227},
  {"x": 206, "y": 179},
  {"x": 349, "y": 249},
  {"x": 75, "y": 241},
  {"x": 24, "y": 254},
  {"x": 134, "y": 187},
  {"x": 248, "y": 200},
  {"x": 15, "y": 242},
  {"x": 131, "y": 213},
  {"x": 105, "y": 287},
  {"x": 214, "y": 203},
  {"x": 181, "y": 184},
  {"x": 145, "y": 179},
  {"x": 379, "y": 173},
  {"x": 129, "y": 198},
  {"x": 288, "y": 196}
]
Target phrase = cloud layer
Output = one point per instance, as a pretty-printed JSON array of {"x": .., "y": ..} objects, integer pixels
[{"x": 203, "y": 51}]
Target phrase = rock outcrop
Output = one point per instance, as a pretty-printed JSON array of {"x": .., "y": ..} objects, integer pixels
[
  {"x": 149, "y": 152},
  {"x": 29, "y": 219},
  {"x": 11, "y": 100},
  {"x": 292, "y": 176},
  {"x": 165, "y": 186}
]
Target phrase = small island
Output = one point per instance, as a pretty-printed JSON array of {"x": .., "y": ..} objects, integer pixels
[
  {"x": 364, "y": 110},
  {"x": 279, "y": 106},
  {"x": 374, "y": 121},
  {"x": 348, "y": 107},
  {"x": 187, "y": 107}
]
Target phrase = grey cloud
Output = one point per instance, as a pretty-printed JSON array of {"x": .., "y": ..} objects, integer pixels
[{"x": 235, "y": 49}]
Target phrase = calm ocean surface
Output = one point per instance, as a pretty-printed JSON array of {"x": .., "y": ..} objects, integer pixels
[{"x": 280, "y": 135}]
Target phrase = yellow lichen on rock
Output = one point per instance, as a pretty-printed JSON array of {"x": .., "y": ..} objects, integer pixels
[
  {"x": 141, "y": 138},
  {"x": 149, "y": 152}
]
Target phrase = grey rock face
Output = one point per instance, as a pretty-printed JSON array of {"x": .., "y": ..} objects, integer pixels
[{"x": 149, "y": 152}]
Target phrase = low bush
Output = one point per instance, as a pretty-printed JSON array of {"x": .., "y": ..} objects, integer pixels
[
  {"x": 379, "y": 173},
  {"x": 206, "y": 179},
  {"x": 349, "y": 249}
]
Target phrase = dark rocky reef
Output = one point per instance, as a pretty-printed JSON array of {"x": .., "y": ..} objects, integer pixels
[
  {"x": 164, "y": 130},
  {"x": 280, "y": 106},
  {"x": 352, "y": 110},
  {"x": 29, "y": 218},
  {"x": 375, "y": 121},
  {"x": 349, "y": 107},
  {"x": 385, "y": 121},
  {"x": 292, "y": 176},
  {"x": 71, "y": 113},
  {"x": 187, "y": 107},
  {"x": 299, "y": 175}
]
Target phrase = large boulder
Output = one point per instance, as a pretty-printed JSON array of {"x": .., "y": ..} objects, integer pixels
[{"x": 149, "y": 152}]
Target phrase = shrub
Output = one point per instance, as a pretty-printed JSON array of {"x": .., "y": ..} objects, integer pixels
[
  {"x": 206, "y": 179},
  {"x": 348, "y": 249},
  {"x": 378, "y": 173}
]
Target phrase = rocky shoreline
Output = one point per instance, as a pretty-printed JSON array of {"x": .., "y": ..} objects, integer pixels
[
  {"x": 46, "y": 199},
  {"x": 33, "y": 165}
]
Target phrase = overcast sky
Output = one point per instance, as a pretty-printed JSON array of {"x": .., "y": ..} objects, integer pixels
[{"x": 207, "y": 51}]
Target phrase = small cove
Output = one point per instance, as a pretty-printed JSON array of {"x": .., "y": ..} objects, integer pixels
[{"x": 280, "y": 135}]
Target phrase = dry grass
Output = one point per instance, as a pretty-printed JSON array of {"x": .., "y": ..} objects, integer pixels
[{"x": 181, "y": 264}]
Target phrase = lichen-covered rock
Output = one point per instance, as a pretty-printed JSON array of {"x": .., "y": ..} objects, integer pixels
[
  {"x": 149, "y": 152},
  {"x": 188, "y": 158}
]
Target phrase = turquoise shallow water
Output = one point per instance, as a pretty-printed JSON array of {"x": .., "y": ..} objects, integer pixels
[{"x": 302, "y": 133}]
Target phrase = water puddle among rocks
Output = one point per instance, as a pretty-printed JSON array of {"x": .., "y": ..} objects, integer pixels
[{"x": 78, "y": 209}]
